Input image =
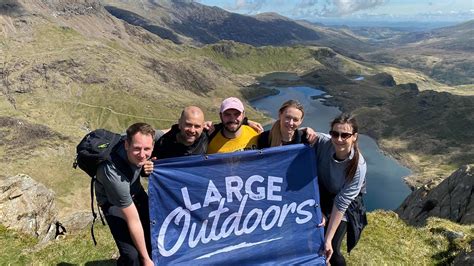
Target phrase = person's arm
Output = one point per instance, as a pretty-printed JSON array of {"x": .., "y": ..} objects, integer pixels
[
  {"x": 334, "y": 221},
  {"x": 255, "y": 125},
  {"x": 311, "y": 136},
  {"x": 132, "y": 218},
  {"x": 351, "y": 190}
]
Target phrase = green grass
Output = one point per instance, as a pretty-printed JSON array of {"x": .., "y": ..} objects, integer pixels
[
  {"x": 79, "y": 249},
  {"x": 66, "y": 102},
  {"x": 246, "y": 59},
  {"x": 19, "y": 249},
  {"x": 385, "y": 241},
  {"x": 14, "y": 247}
]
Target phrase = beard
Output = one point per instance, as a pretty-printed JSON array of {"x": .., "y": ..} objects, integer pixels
[{"x": 228, "y": 126}]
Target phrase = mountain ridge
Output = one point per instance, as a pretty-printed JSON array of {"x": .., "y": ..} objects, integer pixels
[{"x": 69, "y": 70}]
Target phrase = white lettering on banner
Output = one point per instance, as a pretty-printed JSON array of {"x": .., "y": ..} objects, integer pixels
[
  {"x": 267, "y": 219},
  {"x": 212, "y": 194}
]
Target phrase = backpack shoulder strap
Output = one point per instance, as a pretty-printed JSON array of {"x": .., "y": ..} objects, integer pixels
[{"x": 123, "y": 167}]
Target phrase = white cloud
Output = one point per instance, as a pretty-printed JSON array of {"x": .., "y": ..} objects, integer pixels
[
  {"x": 346, "y": 7},
  {"x": 332, "y": 8},
  {"x": 248, "y": 6}
]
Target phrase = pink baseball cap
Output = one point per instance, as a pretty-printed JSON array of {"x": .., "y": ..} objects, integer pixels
[{"x": 232, "y": 103}]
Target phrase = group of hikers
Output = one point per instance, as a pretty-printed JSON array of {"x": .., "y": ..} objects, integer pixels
[{"x": 341, "y": 170}]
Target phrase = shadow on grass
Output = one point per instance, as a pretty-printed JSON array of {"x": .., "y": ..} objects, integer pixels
[{"x": 91, "y": 263}]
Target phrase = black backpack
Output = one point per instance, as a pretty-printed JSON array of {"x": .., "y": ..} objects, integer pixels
[{"x": 96, "y": 147}]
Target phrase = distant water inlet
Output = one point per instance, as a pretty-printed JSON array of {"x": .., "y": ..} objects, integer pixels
[{"x": 385, "y": 186}]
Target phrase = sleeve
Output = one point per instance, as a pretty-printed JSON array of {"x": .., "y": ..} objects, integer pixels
[
  {"x": 352, "y": 189},
  {"x": 303, "y": 136},
  {"x": 263, "y": 141},
  {"x": 217, "y": 128},
  {"x": 158, "y": 135},
  {"x": 116, "y": 185}
]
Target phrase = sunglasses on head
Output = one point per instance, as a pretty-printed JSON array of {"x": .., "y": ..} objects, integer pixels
[{"x": 343, "y": 135}]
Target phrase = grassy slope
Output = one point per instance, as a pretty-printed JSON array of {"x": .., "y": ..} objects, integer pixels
[
  {"x": 386, "y": 240},
  {"x": 81, "y": 84},
  {"x": 67, "y": 105}
]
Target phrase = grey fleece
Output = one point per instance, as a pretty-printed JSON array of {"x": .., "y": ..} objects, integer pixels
[
  {"x": 112, "y": 185},
  {"x": 331, "y": 173}
]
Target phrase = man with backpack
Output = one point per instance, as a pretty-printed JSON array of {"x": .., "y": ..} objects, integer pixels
[{"x": 122, "y": 198}]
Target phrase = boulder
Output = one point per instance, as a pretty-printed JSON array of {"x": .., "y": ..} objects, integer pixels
[
  {"x": 452, "y": 199},
  {"x": 28, "y": 206},
  {"x": 76, "y": 222}
]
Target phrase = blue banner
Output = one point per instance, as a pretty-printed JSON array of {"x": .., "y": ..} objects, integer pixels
[{"x": 250, "y": 207}]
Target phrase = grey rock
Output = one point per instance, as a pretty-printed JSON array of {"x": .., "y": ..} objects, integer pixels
[
  {"x": 466, "y": 257},
  {"x": 77, "y": 221},
  {"x": 28, "y": 206},
  {"x": 452, "y": 199}
]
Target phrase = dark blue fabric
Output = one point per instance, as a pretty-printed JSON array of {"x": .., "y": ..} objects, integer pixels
[{"x": 284, "y": 239}]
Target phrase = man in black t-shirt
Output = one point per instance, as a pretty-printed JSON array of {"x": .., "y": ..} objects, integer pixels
[
  {"x": 189, "y": 136},
  {"x": 184, "y": 138}
]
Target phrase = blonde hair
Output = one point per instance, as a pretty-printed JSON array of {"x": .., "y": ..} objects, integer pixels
[{"x": 275, "y": 133}]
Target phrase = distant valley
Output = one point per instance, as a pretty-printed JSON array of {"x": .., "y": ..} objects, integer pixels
[
  {"x": 445, "y": 54},
  {"x": 72, "y": 66},
  {"x": 89, "y": 59}
]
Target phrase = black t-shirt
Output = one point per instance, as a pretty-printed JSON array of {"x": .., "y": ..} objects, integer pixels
[
  {"x": 264, "y": 139},
  {"x": 167, "y": 146}
]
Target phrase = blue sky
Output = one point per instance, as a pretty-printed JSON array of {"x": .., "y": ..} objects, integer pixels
[{"x": 314, "y": 10}]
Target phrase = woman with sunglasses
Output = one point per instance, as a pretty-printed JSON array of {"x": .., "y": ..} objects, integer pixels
[
  {"x": 341, "y": 175},
  {"x": 285, "y": 130}
]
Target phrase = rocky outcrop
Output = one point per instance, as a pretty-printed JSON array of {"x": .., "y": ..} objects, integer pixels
[
  {"x": 383, "y": 79},
  {"x": 465, "y": 257},
  {"x": 28, "y": 206},
  {"x": 77, "y": 221},
  {"x": 451, "y": 199}
]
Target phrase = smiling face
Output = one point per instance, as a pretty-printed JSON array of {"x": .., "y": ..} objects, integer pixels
[
  {"x": 343, "y": 146},
  {"x": 191, "y": 125},
  {"x": 232, "y": 120},
  {"x": 290, "y": 119},
  {"x": 139, "y": 148}
]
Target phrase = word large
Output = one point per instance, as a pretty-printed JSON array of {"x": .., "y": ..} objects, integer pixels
[{"x": 238, "y": 208}]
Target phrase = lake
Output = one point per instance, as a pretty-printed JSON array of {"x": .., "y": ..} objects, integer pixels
[{"x": 385, "y": 186}]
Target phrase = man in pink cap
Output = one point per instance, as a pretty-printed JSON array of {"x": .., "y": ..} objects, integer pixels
[{"x": 234, "y": 136}]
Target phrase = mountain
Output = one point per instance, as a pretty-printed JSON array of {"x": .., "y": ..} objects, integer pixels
[
  {"x": 69, "y": 66},
  {"x": 179, "y": 21},
  {"x": 446, "y": 54},
  {"x": 207, "y": 25},
  {"x": 458, "y": 38}
]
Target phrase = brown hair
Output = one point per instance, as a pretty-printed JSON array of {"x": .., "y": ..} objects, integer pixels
[
  {"x": 346, "y": 118},
  {"x": 143, "y": 128},
  {"x": 275, "y": 134}
]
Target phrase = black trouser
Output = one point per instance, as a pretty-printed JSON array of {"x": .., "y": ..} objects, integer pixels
[
  {"x": 337, "y": 258},
  {"x": 119, "y": 229}
]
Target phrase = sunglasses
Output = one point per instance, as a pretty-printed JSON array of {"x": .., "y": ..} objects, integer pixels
[{"x": 343, "y": 135}]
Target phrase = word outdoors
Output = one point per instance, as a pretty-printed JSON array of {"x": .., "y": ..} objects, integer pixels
[{"x": 244, "y": 207}]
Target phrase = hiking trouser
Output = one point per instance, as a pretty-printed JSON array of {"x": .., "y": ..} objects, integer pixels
[
  {"x": 119, "y": 229},
  {"x": 337, "y": 258}
]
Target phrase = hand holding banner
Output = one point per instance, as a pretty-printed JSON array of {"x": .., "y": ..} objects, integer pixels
[{"x": 251, "y": 207}]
